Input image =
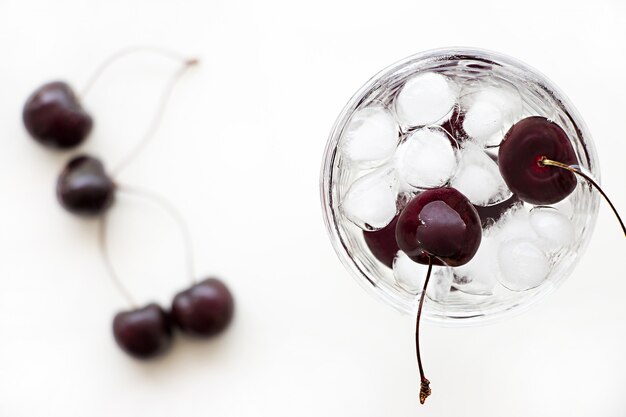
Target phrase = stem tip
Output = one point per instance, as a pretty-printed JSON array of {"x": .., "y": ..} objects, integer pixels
[
  {"x": 424, "y": 390},
  {"x": 192, "y": 61}
]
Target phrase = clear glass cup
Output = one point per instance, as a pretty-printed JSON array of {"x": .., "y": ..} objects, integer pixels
[{"x": 540, "y": 97}]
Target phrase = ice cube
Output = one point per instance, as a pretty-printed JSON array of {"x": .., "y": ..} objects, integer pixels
[
  {"x": 478, "y": 177},
  {"x": 514, "y": 224},
  {"x": 426, "y": 159},
  {"x": 523, "y": 265},
  {"x": 552, "y": 226},
  {"x": 371, "y": 136},
  {"x": 482, "y": 120},
  {"x": 565, "y": 207},
  {"x": 479, "y": 276},
  {"x": 407, "y": 188},
  {"x": 440, "y": 284},
  {"x": 490, "y": 112},
  {"x": 426, "y": 98},
  {"x": 370, "y": 202},
  {"x": 411, "y": 275}
]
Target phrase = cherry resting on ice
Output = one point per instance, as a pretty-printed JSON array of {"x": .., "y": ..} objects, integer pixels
[
  {"x": 441, "y": 223},
  {"x": 523, "y": 146},
  {"x": 437, "y": 225},
  {"x": 539, "y": 164}
]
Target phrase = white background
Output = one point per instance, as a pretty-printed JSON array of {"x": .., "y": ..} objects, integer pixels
[{"x": 239, "y": 153}]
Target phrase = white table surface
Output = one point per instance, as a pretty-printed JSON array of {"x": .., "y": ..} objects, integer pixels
[{"x": 239, "y": 153}]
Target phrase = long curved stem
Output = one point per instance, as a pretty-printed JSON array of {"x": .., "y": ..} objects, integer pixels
[
  {"x": 167, "y": 53},
  {"x": 108, "y": 263},
  {"x": 156, "y": 120},
  {"x": 160, "y": 201},
  {"x": 543, "y": 161},
  {"x": 425, "y": 383},
  {"x": 172, "y": 211},
  {"x": 178, "y": 218}
]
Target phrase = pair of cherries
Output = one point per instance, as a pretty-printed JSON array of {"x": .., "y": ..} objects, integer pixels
[
  {"x": 54, "y": 116},
  {"x": 204, "y": 310},
  {"x": 442, "y": 227}
]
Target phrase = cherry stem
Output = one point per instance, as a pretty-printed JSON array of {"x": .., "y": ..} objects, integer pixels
[
  {"x": 425, "y": 383},
  {"x": 165, "y": 52},
  {"x": 543, "y": 161},
  {"x": 174, "y": 213},
  {"x": 133, "y": 154},
  {"x": 108, "y": 263},
  {"x": 178, "y": 218},
  {"x": 156, "y": 120}
]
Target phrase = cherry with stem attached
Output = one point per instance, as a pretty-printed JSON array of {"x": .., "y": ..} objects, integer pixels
[
  {"x": 204, "y": 309},
  {"x": 439, "y": 226},
  {"x": 539, "y": 165},
  {"x": 84, "y": 187},
  {"x": 142, "y": 332},
  {"x": 54, "y": 114}
]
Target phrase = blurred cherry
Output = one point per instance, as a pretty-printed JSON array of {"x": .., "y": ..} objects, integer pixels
[
  {"x": 143, "y": 333},
  {"x": 54, "y": 116},
  {"x": 84, "y": 188},
  {"x": 205, "y": 309}
]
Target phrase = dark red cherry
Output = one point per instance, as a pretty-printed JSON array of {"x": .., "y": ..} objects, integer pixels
[
  {"x": 143, "y": 333},
  {"x": 382, "y": 243},
  {"x": 84, "y": 188},
  {"x": 55, "y": 118},
  {"x": 491, "y": 214},
  {"x": 205, "y": 309},
  {"x": 524, "y": 145},
  {"x": 441, "y": 223}
]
